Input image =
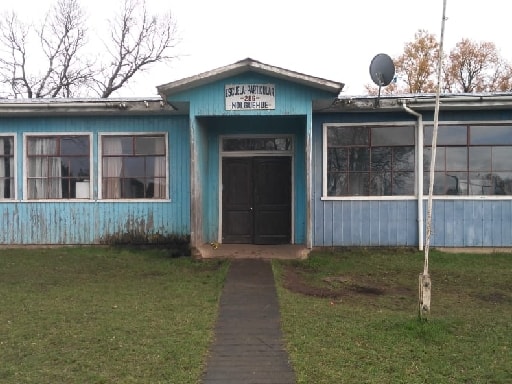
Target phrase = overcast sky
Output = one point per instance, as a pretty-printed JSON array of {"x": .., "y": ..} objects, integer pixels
[{"x": 332, "y": 39}]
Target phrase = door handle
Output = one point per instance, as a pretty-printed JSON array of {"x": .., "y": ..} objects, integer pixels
[{"x": 250, "y": 209}]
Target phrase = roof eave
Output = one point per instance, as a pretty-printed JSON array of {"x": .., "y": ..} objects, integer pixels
[
  {"x": 421, "y": 103},
  {"x": 55, "y": 107}
]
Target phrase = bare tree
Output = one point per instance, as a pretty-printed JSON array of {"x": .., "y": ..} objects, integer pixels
[
  {"x": 13, "y": 58},
  {"x": 63, "y": 38},
  {"x": 66, "y": 66},
  {"x": 137, "y": 41}
]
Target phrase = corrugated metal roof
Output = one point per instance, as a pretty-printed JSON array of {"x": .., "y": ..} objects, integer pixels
[
  {"x": 58, "y": 106},
  {"x": 421, "y": 101}
]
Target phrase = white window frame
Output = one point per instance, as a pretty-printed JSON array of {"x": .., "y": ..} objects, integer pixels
[
  {"x": 419, "y": 161},
  {"x": 373, "y": 125},
  {"x": 15, "y": 168},
  {"x": 100, "y": 165},
  {"x": 27, "y": 135}
]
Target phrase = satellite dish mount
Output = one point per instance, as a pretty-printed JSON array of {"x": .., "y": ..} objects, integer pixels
[{"x": 382, "y": 72}]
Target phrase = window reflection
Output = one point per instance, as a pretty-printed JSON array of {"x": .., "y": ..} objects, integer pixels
[
  {"x": 447, "y": 135},
  {"x": 6, "y": 167},
  {"x": 376, "y": 161},
  {"x": 502, "y": 159},
  {"x": 491, "y": 135},
  {"x": 480, "y": 158},
  {"x": 257, "y": 144}
]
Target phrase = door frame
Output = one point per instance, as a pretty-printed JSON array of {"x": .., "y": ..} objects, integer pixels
[{"x": 290, "y": 154}]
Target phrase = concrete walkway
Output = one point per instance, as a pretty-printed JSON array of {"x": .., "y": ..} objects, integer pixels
[{"x": 248, "y": 346}]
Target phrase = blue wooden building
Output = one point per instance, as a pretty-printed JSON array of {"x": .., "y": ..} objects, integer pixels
[{"x": 255, "y": 154}]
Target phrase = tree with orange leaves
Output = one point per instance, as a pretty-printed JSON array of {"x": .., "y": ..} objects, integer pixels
[
  {"x": 469, "y": 67},
  {"x": 475, "y": 67}
]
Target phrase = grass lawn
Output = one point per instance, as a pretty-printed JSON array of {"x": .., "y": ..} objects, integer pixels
[
  {"x": 100, "y": 315},
  {"x": 351, "y": 317}
]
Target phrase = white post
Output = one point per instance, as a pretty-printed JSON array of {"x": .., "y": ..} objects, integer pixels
[{"x": 425, "y": 283}]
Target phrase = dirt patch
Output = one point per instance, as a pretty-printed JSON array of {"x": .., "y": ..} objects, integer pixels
[
  {"x": 495, "y": 298},
  {"x": 336, "y": 286}
]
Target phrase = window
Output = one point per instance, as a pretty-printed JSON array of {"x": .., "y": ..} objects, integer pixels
[
  {"x": 56, "y": 164},
  {"x": 470, "y": 160},
  {"x": 257, "y": 144},
  {"x": 6, "y": 167},
  {"x": 370, "y": 161},
  {"x": 134, "y": 166}
]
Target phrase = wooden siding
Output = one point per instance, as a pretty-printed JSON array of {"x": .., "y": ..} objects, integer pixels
[
  {"x": 365, "y": 223},
  {"x": 472, "y": 223},
  {"x": 209, "y": 119},
  {"x": 459, "y": 222},
  {"x": 291, "y": 98},
  {"x": 86, "y": 223},
  {"x": 91, "y": 221}
]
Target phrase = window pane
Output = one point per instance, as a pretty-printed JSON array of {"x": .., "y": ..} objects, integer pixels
[
  {"x": 480, "y": 183},
  {"x": 456, "y": 159},
  {"x": 79, "y": 167},
  {"x": 134, "y": 167},
  {"x": 337, "y": 159},
  {"x": 155, "y": 188},
  {"x": 6, "y": 146},
  {"x": 491, "y": 135},
  {"x": 257, "y": 144},
  {"x": 42, "y": 146},
  {"x": 359, "y": 184},
  {"x": 359, "y": 159},
  {"x": 132, "y": 188},
  {"x": 337, "y": 184},
  {"x": 155, "y": 166},
  {"x": 380, "y": 184},
  {"x": 343, "y": 136},
  {"x": 74, "y": 146},
  {"x": 502, "y": 158},
  {"x": 447, "y": 135},
  {"x": 138, "y": 169},
  {"x": 391, "y": 136},
  {"x": 502, "y": 182},
  {"x": 403, "y": 158},
  {"x": 149, "y": 146},
  {"x": 440, "y": 159},
  {"x": 6, "y": 168},
  {"x": 117, "y": 145},
  {"x": 36, "y": 166},
  {"x": 454, "y": 183},
  {"x": 380, "y": 159},
  {"x": 403, "y": 183},
  {"x": 480, "y": 158}
]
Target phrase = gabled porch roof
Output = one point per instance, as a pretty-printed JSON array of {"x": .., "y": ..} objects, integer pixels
[{"x": 248, "y": 65}]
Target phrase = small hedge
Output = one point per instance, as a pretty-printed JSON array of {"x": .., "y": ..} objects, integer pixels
[{"x": 178, "y": 245}]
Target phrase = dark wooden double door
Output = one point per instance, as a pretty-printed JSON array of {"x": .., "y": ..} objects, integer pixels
[{"x": 256, "y": 200}]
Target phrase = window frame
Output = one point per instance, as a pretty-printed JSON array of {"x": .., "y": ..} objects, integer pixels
[
  {"x": 164, "y": 134},
  {"x": 28, "y": 135},
  {"x": 14, "y": 136},
  {"x": 398, "y": 124},
  {"x": 467, "y": 146}
]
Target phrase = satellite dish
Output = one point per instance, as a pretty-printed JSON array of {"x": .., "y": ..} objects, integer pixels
[{"x": 382, "y": 70}]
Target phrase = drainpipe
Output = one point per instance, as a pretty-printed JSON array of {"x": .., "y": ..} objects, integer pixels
[{"x": 419, "y": 171}]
